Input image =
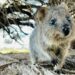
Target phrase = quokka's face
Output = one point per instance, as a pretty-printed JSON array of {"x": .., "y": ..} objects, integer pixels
[
  {"x": 59, "y": 23},
  {"x": 55, "y": 21}
]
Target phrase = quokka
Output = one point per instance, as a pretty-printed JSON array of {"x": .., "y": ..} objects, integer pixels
[{"x": 50, "y": 40}]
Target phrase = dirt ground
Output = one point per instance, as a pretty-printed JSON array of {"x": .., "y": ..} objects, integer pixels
[{"x": 19, "y": 64}]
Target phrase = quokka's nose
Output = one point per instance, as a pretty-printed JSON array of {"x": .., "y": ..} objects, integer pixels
[{"x": 66, "y": 29}]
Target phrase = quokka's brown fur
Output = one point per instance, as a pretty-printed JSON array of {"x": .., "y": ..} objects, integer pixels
[{"x": 52, "y": 35}]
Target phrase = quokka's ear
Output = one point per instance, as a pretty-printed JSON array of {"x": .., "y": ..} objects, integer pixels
[
  {"x": 64, "y": 5},
  {"x": 40, "y": 14}
]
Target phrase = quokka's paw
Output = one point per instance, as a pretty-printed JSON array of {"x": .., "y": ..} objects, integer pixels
[{"x": 57, "y": 69}]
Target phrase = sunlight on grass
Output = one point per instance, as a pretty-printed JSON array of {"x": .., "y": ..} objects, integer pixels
[{"x": 9, "y": 51}]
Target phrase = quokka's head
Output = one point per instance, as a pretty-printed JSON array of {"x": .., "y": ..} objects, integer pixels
[{"x": 55, "y": 21}]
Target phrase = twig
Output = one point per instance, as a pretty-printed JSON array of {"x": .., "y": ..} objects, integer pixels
[{"x": 68, "y": 71}]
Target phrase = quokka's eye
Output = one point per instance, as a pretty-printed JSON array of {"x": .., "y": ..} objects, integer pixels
[
  {"x": 53, "y": 22},
  {"x": 68, "y": 18}
]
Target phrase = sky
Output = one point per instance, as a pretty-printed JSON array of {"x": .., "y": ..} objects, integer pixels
[
  {"x": 7, "y": 42},
  {"x": 2, "y": 2}
]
